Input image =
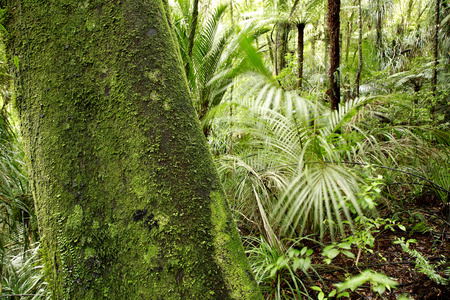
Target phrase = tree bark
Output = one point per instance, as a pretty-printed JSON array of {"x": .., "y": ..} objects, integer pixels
[
  {"x": 348, "y": 38},
  {"x": 360, "y": 56},
  {"x": 191, "y": 37},
  {"x": 326, "y": 41},
  {"x": 334, "y": 7},
  {"x": 300, "y": 48},
  {"x": 435, "y": 49},
  {"x": 128, "y": 201},
  {"x": 379, "y": 31},
  {"x": 281, "y": 42}
]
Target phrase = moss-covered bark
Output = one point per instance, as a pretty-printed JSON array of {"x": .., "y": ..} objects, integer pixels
[{"x": 128, "y": 201}]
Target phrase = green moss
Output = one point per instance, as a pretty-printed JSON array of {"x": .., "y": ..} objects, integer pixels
[
  {"x": 228, "y": 248},
  {"x": 75, "y": 219},
  {"x": 110, "y": 131}
]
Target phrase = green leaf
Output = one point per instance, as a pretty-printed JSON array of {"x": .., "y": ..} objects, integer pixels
[
  {"x": 316, "y": 288},
  {"x": 282, "y": 262},
  {"x": 302, "y": 263},
  {"x": 16, "y": 62},
  {"x": 321, "y": 296},
  {"x": 293, "y": 252},
  {"x": 296, "y": 264},
  {"x": 380, "y": 289},
  {"x": 346, "y": 246},
  {"x": 330, "y": 252},
  {"x": 273, "y": 272},
  {"x": 380, "y": 281},
  {"x": 353, "y": 283},
  {"x": 348, "y": 253},
  {"x": 303, "y": 251},
  {"x": 343, "y": 294},
  {"x": 3, "y": 28}
]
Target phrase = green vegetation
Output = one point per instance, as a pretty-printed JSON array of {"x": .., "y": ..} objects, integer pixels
[{"x": 348, "y": 203}]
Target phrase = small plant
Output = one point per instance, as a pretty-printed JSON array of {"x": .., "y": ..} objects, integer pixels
[
  {"x": 363, "y": 238},
  {"x": 379, "y": 282},
  {"x": 331, "y": 251},
  {"x": 322, "y": 296},
  {"x": 22, "y": 274},
  {"x": 277, "y": 270},
  {"x": 423, "y": 265}
]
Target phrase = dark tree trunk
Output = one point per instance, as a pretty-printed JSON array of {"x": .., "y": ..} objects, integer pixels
[
  {"x": 281, "y": 42},
  {"x": 334, "y": 7},
  {"x": 128, "y": 202},
  {"x": 271, "y": 54},
  {"x": 300, "y": 48},
  {"x": 192, "y": 30}
]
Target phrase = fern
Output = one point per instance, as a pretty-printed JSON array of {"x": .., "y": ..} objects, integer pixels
[{"x": 424, "y": 266}]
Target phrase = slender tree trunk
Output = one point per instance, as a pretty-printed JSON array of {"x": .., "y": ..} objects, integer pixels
[
  {"x": 326, "y": 41},
  {"x": 334, "y": 7},
  {"x": 360, "y": 56},
  {"x": 128, "y": 202},
  {"x": 281, "y": 46},
  {"x": 191, "y": 37},
  {"x": 275, "y": 56},
  {"x": 435, "y": 49},
  {"x": 348, "y": 38},
  {"x": 379, "y": 31},
  {"x": 300, "y": 47},
  {"x": 313, "y": 46},
  {"x": 271, "y": 53}
]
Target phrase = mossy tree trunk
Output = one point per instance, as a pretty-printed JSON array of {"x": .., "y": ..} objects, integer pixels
[
  {"x": 281, "y": 46},
  {"x": 127, "y": 197},
  {"x": 435, "y": 51}
]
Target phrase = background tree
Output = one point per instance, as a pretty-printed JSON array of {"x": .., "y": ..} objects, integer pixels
[
  {"x": 334, "y": 7},
  {"x": 127, "y": 199},
  {"x": 435, "y": 48},
  {"x": 360, "y": 54},
  {"x": 297, "y": 176},
  {"x": 192, "y": 29},
  {"x": 301, "y": 13}
]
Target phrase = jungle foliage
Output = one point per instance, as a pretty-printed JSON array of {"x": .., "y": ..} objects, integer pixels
[{"x": 313, "y": 189}]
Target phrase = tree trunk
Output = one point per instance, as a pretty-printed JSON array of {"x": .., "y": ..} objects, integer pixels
[
  {"x": 334, "y": 7},
  {"x": 379, "y": 31},
  {"x": 281, "y": 42},
  {"x": 300, "y": 47},
  {"x": 348, "y": 37},
  {"x": 192, "y": 29},
  {"x": 360, "y": 57},
  {"x": 271, "y": 54},
  {"x": 128, "y": 201},
  {"x": 326, "y": 41},
  {"x": 435, "y": 50}
]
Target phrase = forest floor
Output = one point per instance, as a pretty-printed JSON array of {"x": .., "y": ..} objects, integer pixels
[{"x": 426, "y": 221}]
